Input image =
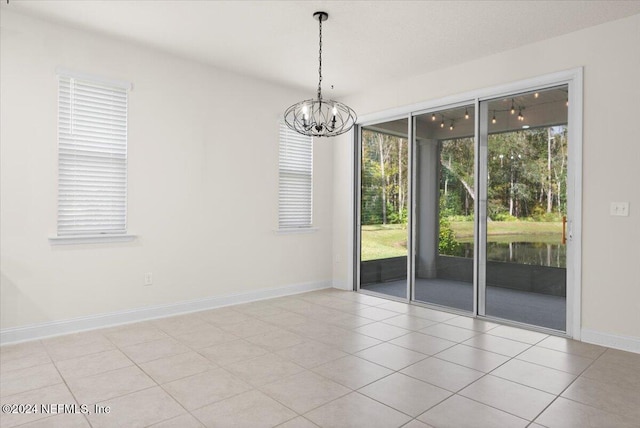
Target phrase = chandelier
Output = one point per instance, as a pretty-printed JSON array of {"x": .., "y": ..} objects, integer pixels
[{"x": 318, "y": 117}]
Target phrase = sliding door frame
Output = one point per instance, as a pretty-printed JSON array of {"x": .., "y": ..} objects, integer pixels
[
  {"x": 357, "y": 191},
  {"x": 573, "y": 78},
  {"x": 480, "y": 258},
  {"x": 413, "y": 198}
]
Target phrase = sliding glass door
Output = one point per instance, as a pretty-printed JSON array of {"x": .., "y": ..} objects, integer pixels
[
  {"x": 524, "y": 192},
  {"x": 444, "y": 207},
  {"x": 465, "y": 207},
  {"x": 384, "y": 165}
]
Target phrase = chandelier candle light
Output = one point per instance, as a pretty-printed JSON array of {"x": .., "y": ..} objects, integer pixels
[{"x": 318, "y": 117}]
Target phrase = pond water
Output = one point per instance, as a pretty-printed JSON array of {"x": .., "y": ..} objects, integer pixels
[{"x": 528, "y": 253}]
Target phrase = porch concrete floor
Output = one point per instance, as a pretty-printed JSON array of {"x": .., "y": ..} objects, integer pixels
[{"x": 530, "y": 308}]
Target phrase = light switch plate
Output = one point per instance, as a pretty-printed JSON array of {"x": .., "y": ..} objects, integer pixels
[{"x": 619, "y": 209}]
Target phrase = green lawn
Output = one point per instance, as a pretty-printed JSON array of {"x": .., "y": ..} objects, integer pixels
[
  {"x": 511, "y": 231},
  {"x": 384, "y": 240},
  {"x": 390, "y": 240}
]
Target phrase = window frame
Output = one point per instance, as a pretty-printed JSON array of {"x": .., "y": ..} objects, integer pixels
[
  {"x": 107, "y": 234},
  {"x": 305, "y": 170}
]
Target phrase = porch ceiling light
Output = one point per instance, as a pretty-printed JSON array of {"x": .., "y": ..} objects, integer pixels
[{"x": 318, "y": 117}]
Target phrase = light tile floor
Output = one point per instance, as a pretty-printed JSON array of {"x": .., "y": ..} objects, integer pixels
[{"x": 326, "y": 358}]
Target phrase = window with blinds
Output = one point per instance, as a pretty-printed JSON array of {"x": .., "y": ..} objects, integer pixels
[
  {"x": 92, "y": 157},
  {"x": 296, "y": 183}
]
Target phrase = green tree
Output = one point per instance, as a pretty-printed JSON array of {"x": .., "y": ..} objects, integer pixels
[{"x": 384, "y": 178}]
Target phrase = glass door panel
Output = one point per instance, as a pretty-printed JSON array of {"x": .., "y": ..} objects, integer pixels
[
  {"x": 383, "y": 208},
  {"x": 444, "y": 212},
  {"x": 526, "y": 170}
]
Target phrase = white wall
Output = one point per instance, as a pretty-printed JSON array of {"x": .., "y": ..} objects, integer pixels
[
  {"x": 611, "y": 155},
  {"x": 203, "y": 150}
]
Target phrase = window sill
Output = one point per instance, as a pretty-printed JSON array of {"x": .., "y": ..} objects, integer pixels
[
  {"x": 90, "y": 239},
  {"x": 295, "y": 231}
]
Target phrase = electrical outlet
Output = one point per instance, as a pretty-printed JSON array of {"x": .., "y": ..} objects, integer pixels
[
  {"x": 148, "y": 278},
  {"x": 619, "y": 209}
]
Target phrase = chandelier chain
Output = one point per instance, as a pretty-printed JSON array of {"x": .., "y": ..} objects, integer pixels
[{"x": 320, "y": 62}]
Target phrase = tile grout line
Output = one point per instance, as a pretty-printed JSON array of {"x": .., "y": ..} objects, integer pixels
[
  {"x": 86, "y": 418},
  {"x": 312, "y": 316},
  {"x": 489, "y": 405},
  {"x": 485, "y": 374},
  {"x": 308, "y": 411},
  {"x": 571, "y": 383},
  {"x": 565, "y": 388},
  {"x": 135, "y": 364}
]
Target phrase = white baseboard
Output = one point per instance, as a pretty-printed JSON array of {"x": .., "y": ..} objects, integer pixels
[
  {"x": 625, "y": 343},
  {"x": 341, "y": 285},
  {"x": 56, "y": 328}
]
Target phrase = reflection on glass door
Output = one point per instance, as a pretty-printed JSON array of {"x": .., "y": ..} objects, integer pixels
[
  {"x": 526, "y": 207},
  {"x": 383, "y": 208},
  {"x": 444, "y": 219}
]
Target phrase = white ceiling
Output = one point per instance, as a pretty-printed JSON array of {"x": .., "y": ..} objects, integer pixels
[{"x": 365, "y": 42}]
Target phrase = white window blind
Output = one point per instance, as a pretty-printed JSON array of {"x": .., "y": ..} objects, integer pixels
[
  {"x": 92, "y": 157},
  {"x": 296, "y": 183}
]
